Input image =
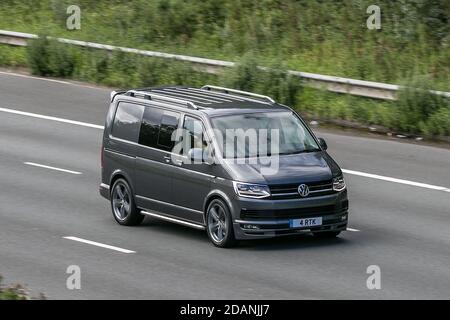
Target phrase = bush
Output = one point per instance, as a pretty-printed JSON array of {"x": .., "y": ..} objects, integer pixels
[
  {"x": 50, "y": 58},
  {"x": 274, "y": 81},
  {"x": 16, "y": 292},
  {"x": 324, "y": 105},
  {"x": 118, "y": 69},
  {"x": 438, "y": 123},
  {"x": 416, "y": 104},
  {"x": 38, "y": 58}
]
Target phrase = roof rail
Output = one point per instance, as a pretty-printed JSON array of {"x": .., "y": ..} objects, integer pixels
[
  {"x": 239, "y": 92},
  {"x": 114, "y": 93},
  {"x": 155, "y": 97}
]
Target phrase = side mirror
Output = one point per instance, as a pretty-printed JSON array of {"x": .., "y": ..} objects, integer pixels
[
  {"x": 198, "y": 155},
  {"x": 323, "y": 144}
]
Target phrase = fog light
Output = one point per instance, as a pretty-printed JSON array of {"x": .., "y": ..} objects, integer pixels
[{"x": 250, "y": 226}]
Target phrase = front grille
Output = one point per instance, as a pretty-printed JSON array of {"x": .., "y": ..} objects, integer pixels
[
  {"x": 291, "y": 213},
  {"x": 290, "y": 191}
]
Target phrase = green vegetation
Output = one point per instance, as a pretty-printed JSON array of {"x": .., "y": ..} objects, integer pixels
[
  {"x": 328, "y": 37},
  {"x": 415, "y": 112},
  {"x": 116, "y": 69},
  {"x": 16, "y": 292},
  {"x": 418, "y": 109},
  {"x": 13, "y": 56}
]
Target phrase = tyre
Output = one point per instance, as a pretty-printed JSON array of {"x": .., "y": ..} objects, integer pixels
[
  {"x": 327, "y": 234},
  {"x": 122, "y": 204},
  {"x": 219, "y": 225}
]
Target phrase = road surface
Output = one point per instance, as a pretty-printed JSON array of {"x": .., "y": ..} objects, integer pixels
[{"x": 49, "y": 177}]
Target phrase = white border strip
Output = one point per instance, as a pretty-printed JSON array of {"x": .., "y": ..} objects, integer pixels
[
  {"x": 401, "y": 181},
  {"x": 39, "y": 116},
  {"x": 50, "y": 80},
  {"x": 51, "y": 168},
  {"x": 98, "y": 244},
  {"x": 33, "y": 77}
]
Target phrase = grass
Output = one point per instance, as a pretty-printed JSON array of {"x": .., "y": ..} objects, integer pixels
[
  {"x": 13, "y": 56},
  {"x": 16, "y": 292},
  {"x": 324, "y": 37}
]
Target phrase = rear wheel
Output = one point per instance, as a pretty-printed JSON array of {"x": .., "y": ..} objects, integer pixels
[
  {"x": 219, "y": 225},
  {"x": 123, "y": 206},
  {"x": 326, "y": 234}
]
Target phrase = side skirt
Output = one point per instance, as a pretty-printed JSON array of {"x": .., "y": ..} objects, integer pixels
[{"x": 174, "y": 220}]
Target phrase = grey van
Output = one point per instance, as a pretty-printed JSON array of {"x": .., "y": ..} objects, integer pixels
[{"x": 167, "y": 154}]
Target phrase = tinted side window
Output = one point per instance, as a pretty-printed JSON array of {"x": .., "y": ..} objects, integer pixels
[
  {"x": 127, "y": 121},
  {"x": 169, "y": 123},
  {"x": 150, "y": 127},
  {"x": 157, "y": 128}
]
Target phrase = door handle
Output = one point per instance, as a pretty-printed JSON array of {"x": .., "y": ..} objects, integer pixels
[
  {"x": 178, "y": 162},
  {"x": 167, "y": 159}
]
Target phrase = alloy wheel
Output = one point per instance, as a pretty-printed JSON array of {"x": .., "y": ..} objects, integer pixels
[
  {"x": 217, "y": 223},
  {"x": 121, "y": 201}
]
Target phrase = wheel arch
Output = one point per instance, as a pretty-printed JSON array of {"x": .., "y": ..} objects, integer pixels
[
  {"x": 216, "y": 194},
  {"x": 119, "y": 174}
]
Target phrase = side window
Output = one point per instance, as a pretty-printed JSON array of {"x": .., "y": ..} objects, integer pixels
[
  {"x": 127, "y": 121},
  {"x": 150, "y": 126},
  {"x": 169, "y": 123},
  {"x": 194, "y": 134},
  {"x": 157, "y": 128}
]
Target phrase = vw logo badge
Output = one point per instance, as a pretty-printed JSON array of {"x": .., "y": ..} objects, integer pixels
[{"x": 303, "y": 190}]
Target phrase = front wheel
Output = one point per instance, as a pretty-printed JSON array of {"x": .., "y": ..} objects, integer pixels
[
  {"x": 219, "y": 225},
  {"x": 122, "y": 204}
]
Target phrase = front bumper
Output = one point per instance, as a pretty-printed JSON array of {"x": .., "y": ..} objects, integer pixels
[{"x": 255, "y": 219}]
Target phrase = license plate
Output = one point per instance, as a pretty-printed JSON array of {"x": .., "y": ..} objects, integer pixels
[{"x": 305, "y": 223}]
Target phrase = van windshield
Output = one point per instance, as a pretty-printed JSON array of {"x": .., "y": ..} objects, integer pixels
[{"x": 262, "y": 134}]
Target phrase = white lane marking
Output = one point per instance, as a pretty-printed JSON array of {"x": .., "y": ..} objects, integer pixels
[
  {"x": 358, "y": 173},
  {"x": 98, "y": 244},
  {"x": 353, "y": 230},
  {"x": 49, "y": 80},
  {"x": 51, "y": 168},
  {"x": 396, "y": 180},
  {"x": 39, "y": 116}
]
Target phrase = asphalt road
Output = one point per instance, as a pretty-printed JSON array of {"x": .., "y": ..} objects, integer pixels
[{"x": 404, "y": 229}]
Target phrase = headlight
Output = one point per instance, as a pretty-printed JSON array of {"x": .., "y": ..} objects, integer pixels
[
  {"x": 249, "y": 190},
  {"x": 338, "y": 184}
]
